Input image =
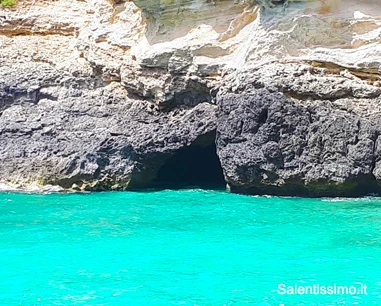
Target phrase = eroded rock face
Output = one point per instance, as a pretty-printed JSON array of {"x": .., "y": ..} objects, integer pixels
[
  {"x": 294, "y": 129},
  {"x": 100, "y": 94},
  {"x": 170, "y": 19},
  {"x": 271, "y": 144},
  {"x": 69, "y": 132}
]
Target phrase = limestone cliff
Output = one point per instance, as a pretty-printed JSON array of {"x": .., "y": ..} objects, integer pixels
[{"x": 103, "y": 94}]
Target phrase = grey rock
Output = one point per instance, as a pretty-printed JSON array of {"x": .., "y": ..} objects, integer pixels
[
  {"x": 74, "y": 133},
  {"x": 100, "y": 95},
  {"x": 271, "y": 144},
  {"x": 165, "y": 90}
]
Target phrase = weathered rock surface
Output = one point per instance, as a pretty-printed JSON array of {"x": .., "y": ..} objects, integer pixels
[
  {"x": 293, "y": 129},
  {"x": 269, "y": 143},
  {"x": 63, "y": 130},
  {"x": 101, "y": 94}
]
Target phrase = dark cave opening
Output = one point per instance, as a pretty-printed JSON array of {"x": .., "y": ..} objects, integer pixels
[{"x": 194, "y": 166}]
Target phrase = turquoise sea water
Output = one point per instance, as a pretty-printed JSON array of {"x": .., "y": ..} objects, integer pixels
[{"x": 187, "y": 247}]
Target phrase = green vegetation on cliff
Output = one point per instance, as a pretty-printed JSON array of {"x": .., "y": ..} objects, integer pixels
[{"x": 8, "y": 3}]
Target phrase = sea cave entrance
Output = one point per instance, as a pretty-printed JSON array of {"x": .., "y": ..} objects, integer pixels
[{"x": 194, "y": 166}]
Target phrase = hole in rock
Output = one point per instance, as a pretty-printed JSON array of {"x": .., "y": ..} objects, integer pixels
[
  {"x": 195, "y": 166},
  {"x": 263, "y": 116}
]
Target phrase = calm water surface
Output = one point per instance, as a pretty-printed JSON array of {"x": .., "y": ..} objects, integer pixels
[{"x": 187, "y": 247}]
